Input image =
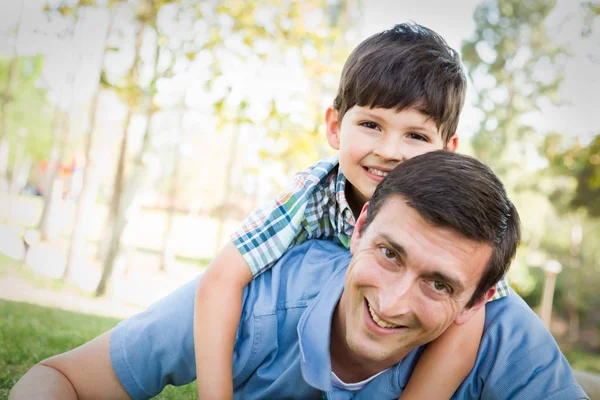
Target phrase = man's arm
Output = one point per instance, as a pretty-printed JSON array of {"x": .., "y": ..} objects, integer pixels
[{"x": 82, "y": 373}]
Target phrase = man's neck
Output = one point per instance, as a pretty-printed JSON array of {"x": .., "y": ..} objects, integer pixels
[{"x": 344, "y": 363}]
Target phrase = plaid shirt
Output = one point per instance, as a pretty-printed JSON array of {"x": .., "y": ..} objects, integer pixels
[{"x": 313, "y": 207}]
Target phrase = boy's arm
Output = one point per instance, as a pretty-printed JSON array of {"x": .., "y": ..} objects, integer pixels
[
  {"x": 446, "y": 361},
  {"x": 217, "y": 312}
]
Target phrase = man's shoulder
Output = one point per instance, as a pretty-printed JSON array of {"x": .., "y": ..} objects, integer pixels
[
  {"x": 518, "y": 357},
  {"x": 511, "y": 314}
]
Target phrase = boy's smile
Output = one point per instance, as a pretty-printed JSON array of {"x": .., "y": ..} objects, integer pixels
[{"x": 372, "y": 141}]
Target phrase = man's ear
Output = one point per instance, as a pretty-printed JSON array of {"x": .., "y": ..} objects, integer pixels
[
  {"x": 452, "y": 143},
  {"x": 358, "y": 227},
  {"x": 333, "y": 127},
  {"x": 467, "y": 313}
]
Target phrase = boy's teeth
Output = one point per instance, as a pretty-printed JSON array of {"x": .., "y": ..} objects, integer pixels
[
  {"x": 377, "y": 172},
  {"x": 380, "y": 322}
]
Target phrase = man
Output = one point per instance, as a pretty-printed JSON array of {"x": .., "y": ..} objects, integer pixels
[{"x": 437, "y": 235}]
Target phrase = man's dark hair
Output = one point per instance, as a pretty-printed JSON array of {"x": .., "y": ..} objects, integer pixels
[
  {"x": 408, "y": 66},
  {"x": 459, "y": 192}
]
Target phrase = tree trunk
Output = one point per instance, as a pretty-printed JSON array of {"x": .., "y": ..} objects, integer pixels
[
  {"x": 86, "y": 198},
  {"x": 21, "y": 165},
  {"x": 573, "y": 324},
  {"x": 89, "y": 184},
  {"x": 59, "y": 139},
  {"x": 167, "y": 248},
  {"x": 114, "y": 213},
  {"x": 233, "y": 147},
  {"x": 124, "y": 193},
  {"x": 5, "y": 101}
]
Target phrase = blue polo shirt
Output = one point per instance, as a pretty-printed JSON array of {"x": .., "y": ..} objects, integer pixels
[{"x": 282, "y": 343}]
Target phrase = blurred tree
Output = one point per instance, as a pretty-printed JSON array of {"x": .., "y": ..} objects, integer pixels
[
  {"x": 516, "y": 68},
  {"x": 569, "y": 158},
  {"x": 322, "y": 33},
  {"x": 61, "y": 127},
  {"x": 89, "y": 184},
  {"x": 32, "y": 95},
  {"x": 6, "y": 98},
  {"x": 513, "y": 66},
  {"x": 315, "y": 35},
  {"x": 167, "y": 254},
  {"x": 237, "y": 32},
  {"x": 131, "y": 93}
]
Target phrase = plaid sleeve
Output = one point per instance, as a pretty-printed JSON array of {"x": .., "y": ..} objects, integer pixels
[
  {"x": 502, "y": 289},
  {"x": 272, "y": 228}
]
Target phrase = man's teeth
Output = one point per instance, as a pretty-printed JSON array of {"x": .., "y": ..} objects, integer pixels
[
  {"x": 379, "y": 321},
  {"x": 377, "y": 172}
]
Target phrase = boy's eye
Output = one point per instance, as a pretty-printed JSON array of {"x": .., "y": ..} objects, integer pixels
[
  {"x": 388, "y": 253},
  {"x": 369, "y": 124},
  {"x": 418, "y": 136}
]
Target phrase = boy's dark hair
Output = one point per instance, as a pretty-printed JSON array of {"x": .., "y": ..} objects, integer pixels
[
  {"x": 455, "y": 191},
  {"x": 407, "y": 66}
]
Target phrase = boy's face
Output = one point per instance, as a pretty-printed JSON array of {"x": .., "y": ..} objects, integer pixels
[{"x": 372, "y": 141}]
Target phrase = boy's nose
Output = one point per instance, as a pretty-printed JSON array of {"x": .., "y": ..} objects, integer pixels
[{"x": 390, "y": 150}]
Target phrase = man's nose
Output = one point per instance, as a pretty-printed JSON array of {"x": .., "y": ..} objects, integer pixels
[{"x": 395, "y": 299}]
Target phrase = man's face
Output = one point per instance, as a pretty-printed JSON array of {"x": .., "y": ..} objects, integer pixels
[
  {"x": 372, "y": 141},
  {"x": 406, "y": 283}
]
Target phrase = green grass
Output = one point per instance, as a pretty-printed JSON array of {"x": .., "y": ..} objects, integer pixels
[
  {"x": 30, "y": 333},
  {"x": 584, "y": 360}
]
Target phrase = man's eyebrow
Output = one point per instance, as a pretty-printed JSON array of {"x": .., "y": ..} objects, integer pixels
[
  {"x": 455, "y": 283},
  {"x": 397, "y": 247}
]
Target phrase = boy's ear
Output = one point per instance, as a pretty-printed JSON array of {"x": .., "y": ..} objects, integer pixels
[
  {"x": 452, "y": 143},
  {"x": 333, "y": 127},
  {"x": 467, "y": 313},
  {"x": 358, "y": 227}
]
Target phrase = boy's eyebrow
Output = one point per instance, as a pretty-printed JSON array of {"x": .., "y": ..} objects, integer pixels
[
  {"x": 456, "y": 284},
  {"x": 369, "y": 114},
  {"x": 375, "y": 116}
]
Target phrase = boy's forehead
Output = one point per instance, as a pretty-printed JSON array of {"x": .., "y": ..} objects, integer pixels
[{"x": 415, "y": 111}]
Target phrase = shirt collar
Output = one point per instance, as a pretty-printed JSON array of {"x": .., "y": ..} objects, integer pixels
[
  {"x": 346, "y": 213},
  {"x": 314, "y": 330}
]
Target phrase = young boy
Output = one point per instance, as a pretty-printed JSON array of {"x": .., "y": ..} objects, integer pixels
[{"x": 400, "y": 95}]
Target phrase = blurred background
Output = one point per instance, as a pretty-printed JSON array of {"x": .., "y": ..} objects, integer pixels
[{"x": 136, "y": 135}]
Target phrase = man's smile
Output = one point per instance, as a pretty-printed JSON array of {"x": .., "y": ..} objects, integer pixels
[{"x": 379, "y": 322}]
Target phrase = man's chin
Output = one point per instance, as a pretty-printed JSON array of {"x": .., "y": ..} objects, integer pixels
[{"x": 368, "y": 351}]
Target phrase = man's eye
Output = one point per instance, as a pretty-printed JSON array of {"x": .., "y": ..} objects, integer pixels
[
  {"x": 369, "y": 124},
  {"x": 387, "y": 253},
  {"x": 418, "y": 136},
  {"x": 440, "y": 287}
]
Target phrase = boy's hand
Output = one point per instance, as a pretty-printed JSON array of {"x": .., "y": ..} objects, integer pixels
[{"x": 217, "y": 312}]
